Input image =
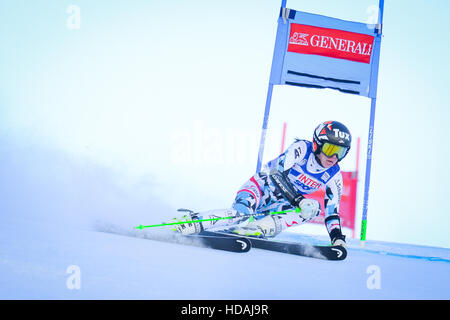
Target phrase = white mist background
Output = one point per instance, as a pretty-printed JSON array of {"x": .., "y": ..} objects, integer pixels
[{"x": 162, "y": 104}]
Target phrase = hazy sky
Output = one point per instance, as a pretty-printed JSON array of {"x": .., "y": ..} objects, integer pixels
[{"x": 175, "y": 91}]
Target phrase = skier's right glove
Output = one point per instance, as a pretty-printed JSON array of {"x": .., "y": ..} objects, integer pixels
[{"x": 309, "y": 208}]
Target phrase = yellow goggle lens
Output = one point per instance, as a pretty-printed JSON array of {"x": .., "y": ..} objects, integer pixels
[{"x": 331, "y": 149}]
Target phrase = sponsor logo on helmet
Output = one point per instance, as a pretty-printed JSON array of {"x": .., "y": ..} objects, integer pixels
[{"x": 341, "y": 134}]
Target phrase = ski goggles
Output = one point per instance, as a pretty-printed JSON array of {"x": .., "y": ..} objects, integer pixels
[{"x": 331, "y": 149}]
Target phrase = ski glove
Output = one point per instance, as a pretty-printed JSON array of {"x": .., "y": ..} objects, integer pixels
[{"x": 309, "y": 208}]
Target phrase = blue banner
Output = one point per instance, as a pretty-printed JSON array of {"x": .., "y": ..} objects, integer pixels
[{"x": 316, "y": 51}]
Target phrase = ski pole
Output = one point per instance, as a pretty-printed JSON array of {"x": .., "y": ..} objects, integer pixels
[{"x": 215, "y": 219}]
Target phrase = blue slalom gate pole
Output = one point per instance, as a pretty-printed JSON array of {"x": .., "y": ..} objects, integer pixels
[
  {"x": 373, "y": 104},
  {"x": 368, "y": 168},
  {"x": 266, "y": 115},
  {"x": 264, "y": 127}
]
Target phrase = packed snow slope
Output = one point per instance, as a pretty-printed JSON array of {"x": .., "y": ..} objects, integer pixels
[
  {"x": 35, "y": 259},
  {"x": 64, "y": 224}
]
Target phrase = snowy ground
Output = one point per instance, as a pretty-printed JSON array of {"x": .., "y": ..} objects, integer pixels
[
  {"x": 35, "y": 257},
  {"x": 53, "y": 205}
]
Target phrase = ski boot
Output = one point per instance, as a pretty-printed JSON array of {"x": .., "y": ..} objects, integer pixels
[{"x": 186, "y": 225}]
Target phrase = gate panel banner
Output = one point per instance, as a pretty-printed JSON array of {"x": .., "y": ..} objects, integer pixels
[
  {"x": 330, "y": 43},
  {"x": 316, "y": 51}
]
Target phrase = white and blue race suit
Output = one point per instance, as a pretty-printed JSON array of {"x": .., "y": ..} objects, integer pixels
[{"x": 300, "y": 165}]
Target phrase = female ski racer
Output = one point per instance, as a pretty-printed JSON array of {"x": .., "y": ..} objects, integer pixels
[{"x": 283, "y": 185}]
